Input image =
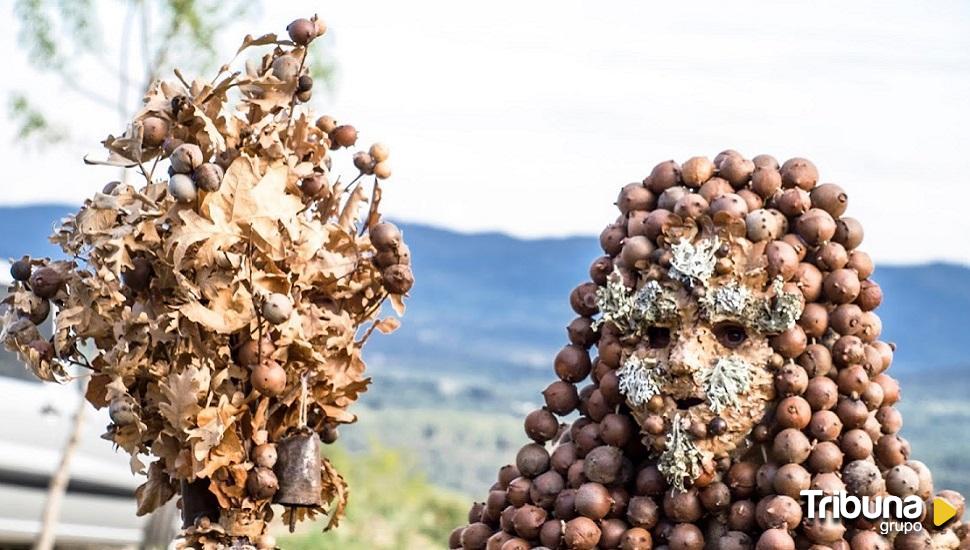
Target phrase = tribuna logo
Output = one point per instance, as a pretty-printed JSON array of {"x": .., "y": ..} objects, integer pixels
[{"x": 896, "y": 514}]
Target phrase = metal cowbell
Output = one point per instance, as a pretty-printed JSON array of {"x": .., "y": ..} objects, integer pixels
[
  {"x": 298, "y": 470},
  {"x": 198, "y": 501}
]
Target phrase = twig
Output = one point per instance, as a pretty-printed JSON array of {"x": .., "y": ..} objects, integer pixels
[
  {"x": 289, "y": 116},
  {"x": 58, "y": 484}
]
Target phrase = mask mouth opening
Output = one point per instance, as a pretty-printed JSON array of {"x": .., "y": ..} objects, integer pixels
[{"x": 688, "y": 402}]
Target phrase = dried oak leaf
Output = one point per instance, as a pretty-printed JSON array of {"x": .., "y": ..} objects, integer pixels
[
  {"x": 155, "y": 491},
  {"x": 182, "y": 391}
]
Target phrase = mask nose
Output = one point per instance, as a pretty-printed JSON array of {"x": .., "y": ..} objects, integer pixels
[{"x": 681, "y": 360}]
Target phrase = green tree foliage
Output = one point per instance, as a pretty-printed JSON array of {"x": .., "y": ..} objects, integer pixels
[{"x": 392, "y": 506}]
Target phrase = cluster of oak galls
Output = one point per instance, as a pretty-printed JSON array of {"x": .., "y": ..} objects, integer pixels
[{"x": 593, "y": 484}]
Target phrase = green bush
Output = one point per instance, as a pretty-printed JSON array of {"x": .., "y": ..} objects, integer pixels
[{"x": 392, "y": 506}]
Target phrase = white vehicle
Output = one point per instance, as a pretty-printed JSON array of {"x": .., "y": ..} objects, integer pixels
[{"x": 99, "y": 507}]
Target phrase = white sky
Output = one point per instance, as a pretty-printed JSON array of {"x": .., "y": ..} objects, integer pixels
[{"x": 527, "y": 116}]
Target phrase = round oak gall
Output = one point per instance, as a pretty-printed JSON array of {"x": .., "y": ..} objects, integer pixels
[
  {"x": 691, "y": 206},
  {"x": 382, "y": 170},
  {"x": 696, "y": 171},
  {"x": 822, "y": 393},
  {"x": 799, "y": 172},
  {"x": 814, "y": 320},
  {"x": 154, "y": 131},
  {"x": 182, "y": 188},
  {"x": 782, "y": 260},
  {"x": 186, "y": 158},
  {"x": 791, "y": 446},
  {"x": 475, "y": 536},
  {"x": 46, "y": 282},
  {"x": 208, "y": 176},
  {"x": 791, "y": 379},
  {"x": 742, "y": 479},
  {"x": 602, "y": 464},
  {"x": 791, "y": 479},
  {"x": 397, "y": 279},
  {"x": 831, "y": 198},
  {"x": 668, "y": 199},
  {"x": 793, "y": 412},
  {"x": 775, "y": 539},
  {"x": 862, "y": 478},
  {"x": 121, "y": 410},
  {"x": 21, "y": 269},
  {"x": 344, "y": 135},
  {"x": 572, "y": 363},
  {"x": 792, "y": 202},
  {"x": 643, "y": 512},
  {"x": 730, "y": 203},
  {"x": 686, "y": 536},
  {"x": 268, "y": 378},
  {"x": 714, "y": 188},
  {"x": 528, "y": 520},
  {"x": 683, "y": 506},
  {"x": 826, "y": 457},
  {"x": 561, "y": 397},
  {"x": 634, "y": 196},
  {"x": 848, "y": 233},
  {"x": 277, "y": 308},
  {"x": 593, "y": 500},
  {"x": 778, "y": 511},
  {"x": 302, "y": 31},
  {"x": 532, "y": 460},
  {"x": 252, "y": 352},
  {"x": 583, "y": 299},
  {"x": 841, "y": 286},
  {"x": 265, "y": 455},
  {"x": 581, "y": 533},
  {"x": 663, "y": 176},
  {"x": 766, "y": 182},
  {"x": 861, "y": 262},
  {"x": 261, "y": 483},
  {"x": 741, "y": 515},
  {"x": 737, "y": 170},
  {"x": 815, "y": 226}
]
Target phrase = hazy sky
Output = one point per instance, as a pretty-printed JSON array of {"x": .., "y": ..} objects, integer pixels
[{"x": 528, "y": 116}]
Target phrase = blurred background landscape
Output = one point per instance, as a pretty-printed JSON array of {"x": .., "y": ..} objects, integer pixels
[{"x": 513, "y": 127}]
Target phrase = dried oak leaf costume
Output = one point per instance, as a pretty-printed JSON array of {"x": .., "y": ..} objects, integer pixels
[
  {"x": 220, "y": 309},
  {"x": 735, "y": 362}
]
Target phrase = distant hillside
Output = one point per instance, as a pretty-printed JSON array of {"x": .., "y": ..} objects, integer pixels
[{"x": 489, "y": 306}]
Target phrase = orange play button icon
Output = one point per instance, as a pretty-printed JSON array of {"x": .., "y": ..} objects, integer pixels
[{"x": 943, "y": 511}]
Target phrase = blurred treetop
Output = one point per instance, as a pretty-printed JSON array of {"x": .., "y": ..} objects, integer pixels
[{"x": 61, "y": 36}]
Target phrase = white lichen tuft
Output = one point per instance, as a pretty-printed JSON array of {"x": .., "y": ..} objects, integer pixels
[
  {"x": 632, "y": 312},
  {"x": 778, "y": 315},
  {"x": 639, "y": 379},
  {"x": 615, "y": 303},
  {"x": 726, "y": 381},
  {"x": 730, "y": 301},
  {"x": 681, "y": 461},
  {"x": 694, "y": 262},
  {"x": 739, "y": 303},
  {"x": 653, "y": 303}
]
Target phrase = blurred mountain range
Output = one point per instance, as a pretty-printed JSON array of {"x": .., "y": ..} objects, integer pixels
[{"x": 487, "y": 306}]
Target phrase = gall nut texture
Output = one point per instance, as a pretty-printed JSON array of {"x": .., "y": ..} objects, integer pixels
[
  {"x": 302, "y": 31},
  {"x": 831, "y": 424}
]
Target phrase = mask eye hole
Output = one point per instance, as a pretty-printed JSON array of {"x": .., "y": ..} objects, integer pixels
[
  {"x": 730, "y": 335},
  {"x": 658, "y": 337}
]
